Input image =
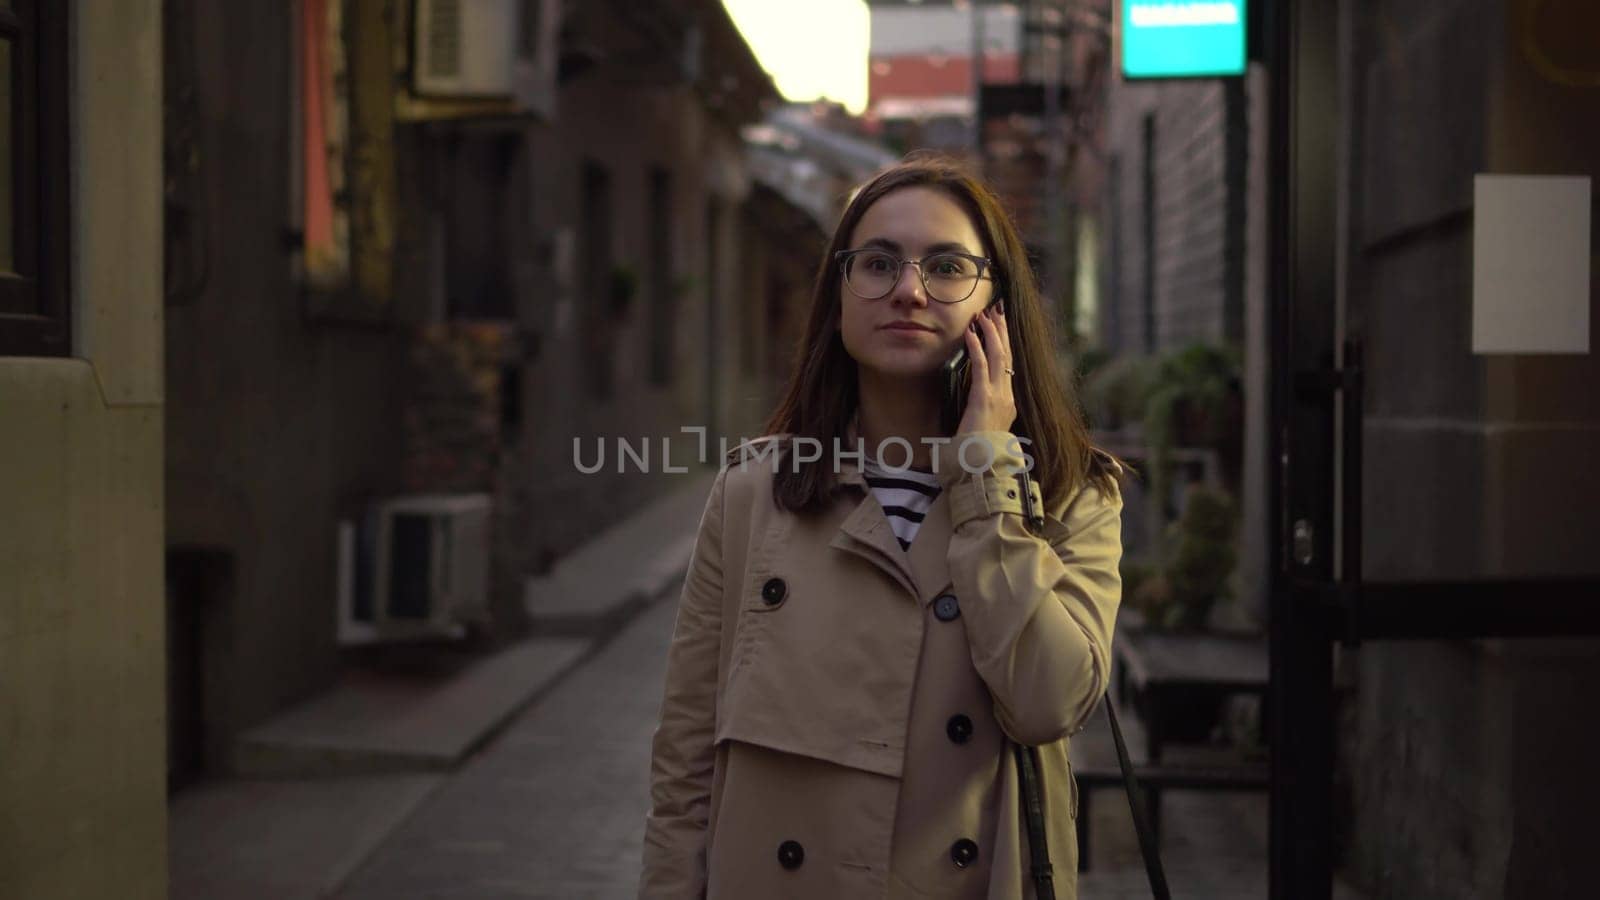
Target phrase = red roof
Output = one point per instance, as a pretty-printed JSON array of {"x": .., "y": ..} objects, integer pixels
[{"x": 932, "y": 76}]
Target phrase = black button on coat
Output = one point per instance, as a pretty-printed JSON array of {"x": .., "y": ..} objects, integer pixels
[
  {"x": 959, "y": 728},
  {"x": 963, "y": 852},
  {"x": 774, "y": 591}
]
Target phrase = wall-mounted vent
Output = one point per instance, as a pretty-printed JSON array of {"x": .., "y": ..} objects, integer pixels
[
  {"x": 443, "y": 30},
  {"x": 465, "y": 48}
]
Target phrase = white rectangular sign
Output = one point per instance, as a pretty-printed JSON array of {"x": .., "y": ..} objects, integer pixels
[{"x": 1530, "y": 264}]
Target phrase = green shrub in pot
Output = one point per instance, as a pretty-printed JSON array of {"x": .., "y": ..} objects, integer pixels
[{"x": 1203, "y": 553}]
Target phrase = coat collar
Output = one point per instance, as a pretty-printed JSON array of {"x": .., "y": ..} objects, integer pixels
[
  {"x": 850, "y": 467},
  {"x": 923, "y": 570}
]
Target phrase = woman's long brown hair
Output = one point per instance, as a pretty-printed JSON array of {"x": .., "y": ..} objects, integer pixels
[{"x": 822, "y": 393}]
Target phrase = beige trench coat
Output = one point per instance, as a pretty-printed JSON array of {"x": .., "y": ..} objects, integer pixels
[{"x": 834, "y": 725}]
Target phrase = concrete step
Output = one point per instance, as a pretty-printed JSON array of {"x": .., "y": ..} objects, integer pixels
[{"x": 393, "y": 720}]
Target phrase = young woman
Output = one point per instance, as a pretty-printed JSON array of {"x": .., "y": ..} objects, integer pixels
[{"x": 860, "y": 644}]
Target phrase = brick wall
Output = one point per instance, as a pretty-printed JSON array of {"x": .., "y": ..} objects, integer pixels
[
  {"x": 452, "y": 416},
  {"x": 1177, "y": 267}
]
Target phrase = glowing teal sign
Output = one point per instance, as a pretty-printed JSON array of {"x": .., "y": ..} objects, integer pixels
[{"x": 1182, "y": 39}]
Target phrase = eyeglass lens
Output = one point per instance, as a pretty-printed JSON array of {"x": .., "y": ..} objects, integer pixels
[{"x": 947, "y": 277}]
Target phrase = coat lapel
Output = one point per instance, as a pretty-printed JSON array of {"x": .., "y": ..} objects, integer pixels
[
  {"x": 866, "y": 532},
  {"x": 929, "y": 559},
  {"x": 923, "y": 569}
]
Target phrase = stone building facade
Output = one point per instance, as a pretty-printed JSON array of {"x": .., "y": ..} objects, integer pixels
[
  {"x": 375, "y": 292},
  {"x": 1460, "y": 764}
]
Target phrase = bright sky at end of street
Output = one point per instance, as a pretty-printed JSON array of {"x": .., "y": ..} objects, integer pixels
[{"x": 813, "y": 49}]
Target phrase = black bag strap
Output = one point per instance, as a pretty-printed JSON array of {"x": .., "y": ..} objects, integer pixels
[
  {"x": 1141, "y": 813},
  {"x": 1033, "y": 811},
  {"x": 1028, "y": 771}
]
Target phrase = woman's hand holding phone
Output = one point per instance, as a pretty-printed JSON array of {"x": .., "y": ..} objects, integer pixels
[{"x": 991, "y": 403}]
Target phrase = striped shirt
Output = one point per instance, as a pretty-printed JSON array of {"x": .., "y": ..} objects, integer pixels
[{"x": 904, "y": 495}]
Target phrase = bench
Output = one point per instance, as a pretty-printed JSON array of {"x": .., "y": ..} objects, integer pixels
[
  {"x": 1153, "y": 780},
  {"x": 1176, "y": 681}
]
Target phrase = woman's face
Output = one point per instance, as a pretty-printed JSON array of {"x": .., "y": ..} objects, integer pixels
[{"x": 906, "y": 333}]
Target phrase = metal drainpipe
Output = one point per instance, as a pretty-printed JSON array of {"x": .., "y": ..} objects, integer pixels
[
  {"x": 977, "y": 83},
  {"x": 1054, "y": 223}
]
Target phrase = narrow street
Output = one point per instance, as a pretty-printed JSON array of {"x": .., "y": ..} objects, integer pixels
[
  {"x": 551, "y": 803},
  {"x": 554, "y": 806}
]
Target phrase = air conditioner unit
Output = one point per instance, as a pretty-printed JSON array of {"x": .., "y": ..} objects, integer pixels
[
  {"x": 465, "y": 48},
  {"x": 414, "y": 567}
]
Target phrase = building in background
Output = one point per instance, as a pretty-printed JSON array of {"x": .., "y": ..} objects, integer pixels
[
  {"x": 419, "y": 249},
  {"x": 1017, "y": 89},
  {"x": 632, "y": 304},
  {"x": 1178, "y": 208},
  {"x": 809, "y": 157},
  {"x": 920, "y": 86},
  {"x": 816, "y": 154},
  {"x": 1456, "y": 762},
  {"x": 1043, "y": 149},
  {"x": 1172, "y": 218}
]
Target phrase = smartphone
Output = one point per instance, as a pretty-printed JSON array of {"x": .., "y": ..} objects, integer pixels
[{"x": 955, "y": 382}]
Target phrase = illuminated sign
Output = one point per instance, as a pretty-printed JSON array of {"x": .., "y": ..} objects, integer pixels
[{"x": 1182, "y": 39}]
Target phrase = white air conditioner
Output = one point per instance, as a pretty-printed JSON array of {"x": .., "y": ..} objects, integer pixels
[
  {"x": 465, "y": 48},
  {"x": 414, "y": 567}
]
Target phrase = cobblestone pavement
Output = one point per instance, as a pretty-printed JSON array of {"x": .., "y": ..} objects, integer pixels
[{"x": 554, "y": 807}]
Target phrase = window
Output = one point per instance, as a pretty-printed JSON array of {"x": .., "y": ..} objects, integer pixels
[
  {"x": 751, "y": 265},
  {"x": 713, "y": 248},
  {"x": 530, "y": 21},
  {"x": 1147, "y": 222},
  {"x": 663, "y": 312},
  {"x": 595, "y": 262},
  {"x": 482, "y": 188},
  {"x": 1116, "y": 279},
  {"x": 33, "y": 179}
]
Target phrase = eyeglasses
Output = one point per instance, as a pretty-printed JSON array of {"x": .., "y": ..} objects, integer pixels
[{"x": 947, "y": 277}]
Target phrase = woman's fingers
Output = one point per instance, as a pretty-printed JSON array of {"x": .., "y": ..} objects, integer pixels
[
  {"x": 1005, "y": 333},
  {"x": 975, "y": 346},
  {"x": 1004, "y": 337},
  {"x": 990, "y": 403},
  {"x": 994, "y": 339}
]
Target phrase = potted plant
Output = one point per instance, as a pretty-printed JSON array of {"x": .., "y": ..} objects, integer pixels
[
  {"x": 1192, "y": 398},
  {"x": 1180, "y": 591},
  {"x": 1114, "y": 390}
]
